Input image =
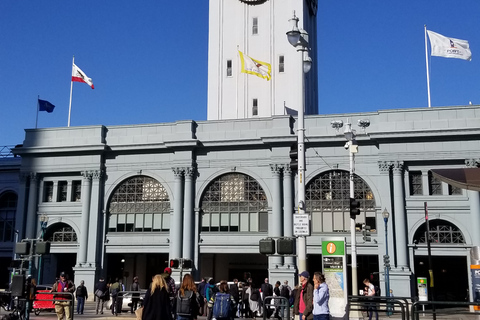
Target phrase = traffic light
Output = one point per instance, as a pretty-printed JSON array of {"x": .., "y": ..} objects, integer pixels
[
  {"x": 22, "y": 248},
  {"x": 267, "y": 246},
  {"x": 294, "y": 157},
  {"x": 366, "y": 233},
  {"x": 354, "y": 208},
  {"x": 174, "y": 263},
  {"x": 386, "y": 261},
  {"x": 286, "y": 246},
  {"x": 187, "y": 264},
  {"x": 42, "y": 247}
]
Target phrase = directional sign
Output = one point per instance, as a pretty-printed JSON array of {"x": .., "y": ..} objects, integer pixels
[{"x": 301, "y": 225}]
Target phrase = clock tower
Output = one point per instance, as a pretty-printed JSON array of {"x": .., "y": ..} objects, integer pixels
[{"x": 258, "y": 29}]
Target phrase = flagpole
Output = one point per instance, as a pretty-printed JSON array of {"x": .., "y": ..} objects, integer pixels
[
  {"x": 428, "y": 71},
  {"x": 36, "y": 121},
  {"x": 71, "y": 90}
]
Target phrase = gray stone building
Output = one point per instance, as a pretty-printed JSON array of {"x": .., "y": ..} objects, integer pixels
[{"x": 121, "y": 201}]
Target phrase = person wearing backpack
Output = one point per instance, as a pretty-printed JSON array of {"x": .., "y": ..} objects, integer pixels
[
  {"x": 81, "y": 294},
  {"x": 187, "y": 301},
  {"x": 224, "y": 303},
  {"x": 372, "y": 306},
  {"x": 114, "y": 290}
]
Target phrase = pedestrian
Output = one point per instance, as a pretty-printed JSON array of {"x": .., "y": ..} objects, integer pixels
[
  {"x": 81, "y": 294},
  {"x": 167, "y": 275},
  {"x": 276, "y": 301},
  {"x": 234, "y": 291},
  {"x": 303, "y": 305},
  {"x": 201, "y": 292},
  {"x": 210, "y": 291},
  {"x": 135, "y": 296},
  {"x": 253, "y": 300},
  {"x": 156, "y": 304},
  {"x": 188, "y": 300},
  {"x": 101, "y": 295},
  {"x": 321, "y": 295},
  {"x": 63, "y": 301},
  {"x": 371, "y": 306},
  {"x": 114, "y": 290},
  {"x": 224, "y": 303},
  {"x": 267, "y": 289}
]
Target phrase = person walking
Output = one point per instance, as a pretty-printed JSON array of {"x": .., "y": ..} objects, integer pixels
[
  {"x": 234, "y": 291},
  {"x": 210, "y": 291},
  {"x": 201, "y": 292},
  {"x": 253, "y": 301},
  {"x": 135, "y": 296},
  {"x": 101, "y": 295},
  {"x": 81, "y": 294},
  {"x": 224, "y": 303},
  {"x": 303, "y": 305},
  {"x": 63, "y": 302},
  {"x": 114, "y": 290},
  {"x": 321, "y": 295},
  {"x": 370, "y": 292},
  {"x": 156, "y": 304},
  {"x": 187, "y": 304}
]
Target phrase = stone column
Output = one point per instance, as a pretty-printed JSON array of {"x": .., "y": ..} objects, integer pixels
[
  {"x": 176, "y": 229},
  {"x": 86, "y": 191},
  {"x": 188, "y": 214},
  {"x": 400, "y": 216},
  {"x": 474, "y": 200},
  {"x": 20, "y": 216},
  {"x": 288, "y": 211},
  {"x": 95, "y": 215},
  {"x": 32, "y": 207},
  {"x": 276, "y": 217}
]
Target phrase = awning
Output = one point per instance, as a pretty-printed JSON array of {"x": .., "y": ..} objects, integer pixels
[{"x": 465, "y": 178}]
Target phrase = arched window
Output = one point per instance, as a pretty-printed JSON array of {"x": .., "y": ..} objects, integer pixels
[
  {"x": 8, "y": 207},
  {"x": 234, "y": 202},
  {"x": 328, "y": 199},
  {"x": 441, "y": 231},
  {"x": 61, "y": 232},
  {"x": 139, "y": 204}
]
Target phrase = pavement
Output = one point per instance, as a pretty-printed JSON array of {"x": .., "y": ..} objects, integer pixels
[{"x": 89, "y": 313}]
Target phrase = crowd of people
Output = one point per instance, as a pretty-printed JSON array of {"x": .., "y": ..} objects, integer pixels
[{"x": 220, "y": 301}]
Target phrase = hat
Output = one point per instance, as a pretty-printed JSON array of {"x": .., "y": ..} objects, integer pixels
[
  {"x": 305, "y": 274},
  {"x": 168, "y": 270},
  {"x": 62, "y": 274}
]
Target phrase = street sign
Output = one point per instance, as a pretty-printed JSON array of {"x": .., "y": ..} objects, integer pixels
[{"x": 301, "y": 225}]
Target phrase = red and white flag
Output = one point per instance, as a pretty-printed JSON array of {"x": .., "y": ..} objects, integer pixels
[{"x": 79, "y": 76}]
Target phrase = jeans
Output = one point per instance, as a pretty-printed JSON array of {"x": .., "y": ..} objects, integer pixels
[
  {"x": 183, "y": 318},
  {"x": 372, "y": 307},
  {"x": 80, "y": 304},
  {"x": 323, "y": 316}
]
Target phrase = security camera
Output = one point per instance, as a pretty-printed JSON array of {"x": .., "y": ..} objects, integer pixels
[{"x": 346, "y": 146}]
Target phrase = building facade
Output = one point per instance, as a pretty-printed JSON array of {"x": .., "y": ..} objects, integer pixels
[{"x": 123, "y": 200}]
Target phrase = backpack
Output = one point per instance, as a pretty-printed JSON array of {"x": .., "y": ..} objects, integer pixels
[
  {"x": 184, "y": 304},
  {"x": 222, "y": 306},
  {"x": 284, "y": 292},
  {"x": 79, "y": 292},
  {"x": 377, "y": 291}
]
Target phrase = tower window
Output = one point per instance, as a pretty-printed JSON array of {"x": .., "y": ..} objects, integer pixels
[
  {"x": 281, "y": 64},
  {"x": 255, "y": 107},
  {"x": 229, "y": 68},
  {"x": 255, "y": 26},
  {"x": 48, "y": 191},
  {"x": 416, "y": 187}
]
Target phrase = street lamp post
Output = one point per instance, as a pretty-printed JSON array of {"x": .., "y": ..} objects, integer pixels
[
  {"x": 43, "y": 225},
  {"x": 299, "y": 39},
  {"x": 386, "y": 258}
]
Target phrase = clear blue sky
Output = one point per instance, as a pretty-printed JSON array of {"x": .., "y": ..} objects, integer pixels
[{"x": 148, "y": 59}]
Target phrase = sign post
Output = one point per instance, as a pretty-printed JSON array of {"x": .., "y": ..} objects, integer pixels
[{"x": 334, "y": 266}]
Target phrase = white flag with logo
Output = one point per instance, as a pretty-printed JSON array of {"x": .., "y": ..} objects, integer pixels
[
  {"x": 442, "y": 46},
  {"x": 255, "y": 67}
]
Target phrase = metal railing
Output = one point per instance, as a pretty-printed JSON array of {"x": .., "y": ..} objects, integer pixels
[
  {"x": 390, "y": 306},
  {"x": 280, "y": 303},
  {"x": 444, "y": 309}
]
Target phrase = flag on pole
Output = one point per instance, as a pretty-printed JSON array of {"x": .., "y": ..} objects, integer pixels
[
  {"x": 44, "y": 105},
  {"x": 442, "y": 46},
  {"x": 255, "y": 67},
  {"x": 79, "y": 76}
]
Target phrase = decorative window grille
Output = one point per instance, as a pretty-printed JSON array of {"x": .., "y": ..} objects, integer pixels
[
  {"x": 61, "y": 233},
  {"x": 62, "y": 191},
  {"x": 328, "y": 199},
  {"x": 139, "y": 204},
  {"x": 453, "y": 190},
  {"x": 8, "y": 207},
  {"x": 76, "y": 190},
  {"x": 434, "y": 185},
  {"x": 441, "y": 232},
  {"x": 416, "y": 185},
  {"x": 234, "y": 202},
  {"x": 48, "y": 191}
]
